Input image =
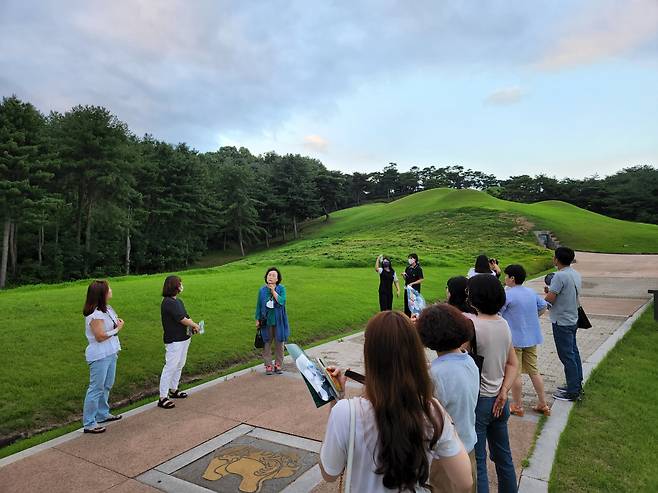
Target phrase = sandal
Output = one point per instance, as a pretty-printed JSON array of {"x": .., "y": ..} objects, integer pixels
[
  {"x": 111, "y": 418},
  {"x": 278, "y": 370},
  {"x": 516, "y": 410},
  {"x": 177, "y": 394},
  {"x": 95, "y": 431},
  {"x": 545, "y": 410},
  {"x": 165, "y": 403},
  {"x": 268, "y": 369}
]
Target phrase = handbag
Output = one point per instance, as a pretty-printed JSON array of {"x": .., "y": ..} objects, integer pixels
[
  {"x": 258, "y": 340},
  {"x": 346, "y": 477},
  {"x": 583, "y": 322},
  {"x": 473, "y": 353}
]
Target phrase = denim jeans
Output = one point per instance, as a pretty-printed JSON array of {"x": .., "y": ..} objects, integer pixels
[
  {"x": 493, "y": 431},
  {"x": 101, "y": 379},
  {"x": 567, "y": 351}
]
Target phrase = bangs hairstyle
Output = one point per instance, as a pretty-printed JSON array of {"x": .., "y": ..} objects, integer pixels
[
  {"x": 443, "y": 327},
  {"x": 399, "y": 388},
  {"x": 457, "y": 289},
  {"x": 278, "y": 273},
  {"x": 486, "y": 294},
  {"x": 171, "y": 286},
  {"x": 96, "y": 297},
  {"x": 413, "y": 256}
]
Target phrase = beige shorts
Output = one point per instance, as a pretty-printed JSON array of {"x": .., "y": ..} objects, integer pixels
[{"x": 527, "y": 358}]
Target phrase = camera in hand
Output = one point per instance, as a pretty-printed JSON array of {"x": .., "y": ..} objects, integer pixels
[{"x": 493, "y": 261}]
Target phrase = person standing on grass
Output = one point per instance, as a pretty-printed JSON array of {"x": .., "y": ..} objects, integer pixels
[
  {"x": 102, "y": 327},
  {"x": 413, "y": 277},
  {"x": 272, "y": 319},
  {"x": 522, "y": 309},
  {"x": 499, "y": 369},
  {"x": 387, "y": 277},
  {"x": 484, "y": 265},
  {"x": 175, "y": 324},
  {"x": 444, "y": 329},
  {"x": 562, "y": 296}
]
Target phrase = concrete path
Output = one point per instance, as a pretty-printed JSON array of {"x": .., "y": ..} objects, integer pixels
[{"x": 153, "y": 449}]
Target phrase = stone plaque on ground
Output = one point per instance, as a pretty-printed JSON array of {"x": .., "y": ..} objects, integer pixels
[{"x": 249, "y": 465}]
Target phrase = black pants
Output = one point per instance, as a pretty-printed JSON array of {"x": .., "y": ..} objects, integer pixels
[{"x": 385, "y": 300}]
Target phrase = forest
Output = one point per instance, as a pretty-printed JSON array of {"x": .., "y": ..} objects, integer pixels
[{"x": 81, "y": 195}]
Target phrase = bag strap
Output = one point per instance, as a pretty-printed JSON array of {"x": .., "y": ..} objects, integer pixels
[{"x": 350, "y": 449}]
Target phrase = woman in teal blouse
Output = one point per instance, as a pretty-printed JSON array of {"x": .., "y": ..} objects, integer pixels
[{"x": 272, "y": 319}]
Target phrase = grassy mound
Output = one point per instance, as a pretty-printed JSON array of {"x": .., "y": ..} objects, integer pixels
[{"x": 332, "y": 290}]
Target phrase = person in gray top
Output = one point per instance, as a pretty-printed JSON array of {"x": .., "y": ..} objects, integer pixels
[{"x": 562, "y": 296}]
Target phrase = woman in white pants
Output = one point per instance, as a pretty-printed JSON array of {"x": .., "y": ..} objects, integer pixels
[{"x": 175, "y": 323}]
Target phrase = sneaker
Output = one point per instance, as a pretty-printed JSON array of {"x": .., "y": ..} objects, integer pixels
[
  {"x": 563, "y": 388},
  {"x": 278, "y": 370},
  {"x": 566, "y": 396},
  {"x": 268, "y": 370}
]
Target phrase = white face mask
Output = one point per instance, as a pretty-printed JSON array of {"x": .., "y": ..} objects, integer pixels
[
  {"x": 411, "y": 261},
  {"x": 181, "y": 289}
]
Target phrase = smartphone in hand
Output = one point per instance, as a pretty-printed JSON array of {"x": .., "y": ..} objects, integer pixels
[{"x": 357, "y": 377}]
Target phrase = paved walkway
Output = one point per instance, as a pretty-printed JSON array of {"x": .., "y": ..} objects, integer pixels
[{"x": 153, "y": 449}]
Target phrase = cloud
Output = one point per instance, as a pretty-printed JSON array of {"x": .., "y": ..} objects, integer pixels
[
  {"x": 606, "y": 28},
  {"x": 505, "y": 96},
  {"x": 191, "y": 71},
  {"x": 316, "y": 143}
]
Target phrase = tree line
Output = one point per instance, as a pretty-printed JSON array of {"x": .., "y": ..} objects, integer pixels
[{"x": 82, "y": 196}]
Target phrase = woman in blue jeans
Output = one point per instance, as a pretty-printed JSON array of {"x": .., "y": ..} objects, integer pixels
[
  {"x": 494, "y": 343},
  {"x": 102, "y": 326}
]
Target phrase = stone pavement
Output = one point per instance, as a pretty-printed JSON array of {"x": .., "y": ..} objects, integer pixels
[{"x": 219, "y": 438}]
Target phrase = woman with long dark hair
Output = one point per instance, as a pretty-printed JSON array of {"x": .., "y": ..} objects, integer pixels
[
  {"x": 400, "y": 427},
  {"x": 102, "y": 326},
  {"x": 484, "y": 265},
  {"x": 456, "y": 291}
]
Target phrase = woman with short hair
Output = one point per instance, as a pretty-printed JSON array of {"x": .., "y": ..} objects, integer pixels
[
  {"x": 102, "y": 326},
  {"x": 272, "y": 320},
  {"x": 494, "y": 344},
  {"x": 400, "y": 428},
  {"x": 176, "y": 337}
]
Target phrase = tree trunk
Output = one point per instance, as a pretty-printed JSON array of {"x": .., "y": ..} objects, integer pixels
[
  {"x": 240, "y": 240},
  {"x": 13, "y": 247},
  {"x": 294, "y": 225},
  {"x": 326, "y": 213},
  {"x": 57, "y": 233},
  {"x": 5, "y": 253},
  {"x": 88, "y": 238},
  {"x": 224, "y": 240},
  {"x": 79, "y": 218},
  {"x": 267, "y": 238},
  {"x": 128, "y": 247},
  {"x": 284, "y": 232},
  {"x": 42, "y": 240}
]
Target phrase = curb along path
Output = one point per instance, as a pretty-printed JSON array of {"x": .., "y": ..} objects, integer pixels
[{"x": 251, "y": 406}]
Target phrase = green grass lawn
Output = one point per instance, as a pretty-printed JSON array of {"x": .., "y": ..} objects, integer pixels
[
  {"x": 332, "y": 290},
  {"x": 611, "y": 440}
]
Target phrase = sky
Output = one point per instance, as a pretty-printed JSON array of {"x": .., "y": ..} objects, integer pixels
[{"x": 562, "y": 87}]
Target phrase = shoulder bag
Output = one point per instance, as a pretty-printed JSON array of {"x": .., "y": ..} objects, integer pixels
[
  {"x": 346, "y": 477},
  {"x": 583, "y": 321}
]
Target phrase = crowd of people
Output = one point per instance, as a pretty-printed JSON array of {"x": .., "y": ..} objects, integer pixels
[{"x": 416, "y": 427}]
